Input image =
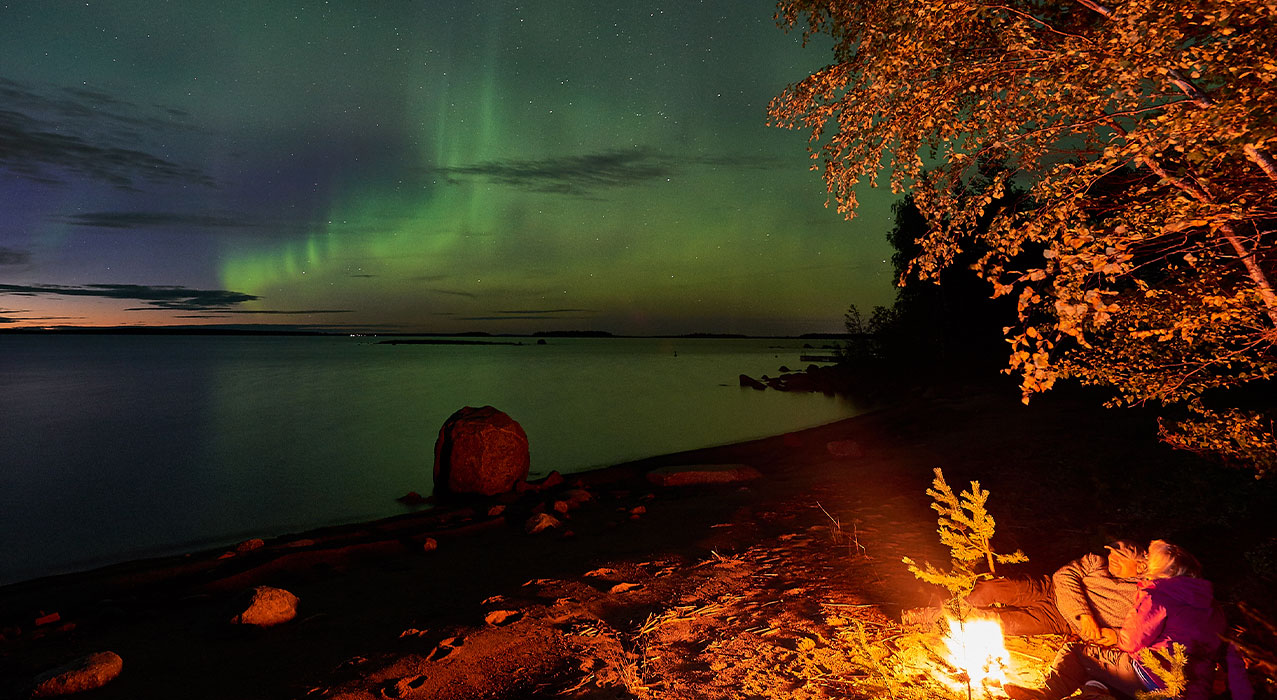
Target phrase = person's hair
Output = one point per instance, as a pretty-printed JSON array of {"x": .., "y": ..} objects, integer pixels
[
  {"x": 1166, "y": 560},
  {"x": 1131, "y": 551}
]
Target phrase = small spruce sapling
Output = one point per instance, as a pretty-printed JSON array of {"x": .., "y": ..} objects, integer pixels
[
  {"x": 966, "y": 528},
  {"x": 1168, "y": 666}
]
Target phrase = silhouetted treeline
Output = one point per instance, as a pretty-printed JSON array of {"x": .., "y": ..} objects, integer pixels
[{"x": 939, "y": 330}]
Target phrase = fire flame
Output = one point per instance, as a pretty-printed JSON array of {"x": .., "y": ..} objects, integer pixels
[{"x": 976, "y": 648}]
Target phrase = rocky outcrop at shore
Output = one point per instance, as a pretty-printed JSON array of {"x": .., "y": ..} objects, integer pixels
[{"x": 828, "y": 380}]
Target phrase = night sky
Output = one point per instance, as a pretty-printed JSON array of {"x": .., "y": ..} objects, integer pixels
[{"x": 430, "y": 166}]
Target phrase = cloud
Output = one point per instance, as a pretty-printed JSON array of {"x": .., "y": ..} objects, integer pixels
[
  {"x": 8, "y": 319},
  {"x": 583, "y": 174},
  {"x": 301, "y": 312},
  {"x": 567, "y": 174},
  {"x": 95, "y": 96},
  {"x": 455, "y": 293},
  {"x": 51, "y": 132},
  {"x": 151, "y": 219},
  {"x": 95, "y": 106},
  {"x": 738, "y": 161},
  {"x": 155, "y": 296},
  {"x": 9, "y": 256},
  {"x": 214, "y": 303},
  {"x": 533, "y": 312},
  {"x": 514, "y": 318}
]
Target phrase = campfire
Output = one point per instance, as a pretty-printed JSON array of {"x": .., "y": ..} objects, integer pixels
[{"x": 976, "y": 651}]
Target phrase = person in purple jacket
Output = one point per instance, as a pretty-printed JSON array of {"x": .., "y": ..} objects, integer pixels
[{"x": 1173, "y": 606}]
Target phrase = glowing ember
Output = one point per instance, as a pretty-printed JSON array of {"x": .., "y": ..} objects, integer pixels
[{"x": 976, "y": 648}]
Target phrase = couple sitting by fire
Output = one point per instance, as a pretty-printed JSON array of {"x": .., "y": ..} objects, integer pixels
[{"x": 1118, "y": 605}]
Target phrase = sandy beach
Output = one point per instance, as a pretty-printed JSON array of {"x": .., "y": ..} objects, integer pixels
[{"x": 745, "y": 589}]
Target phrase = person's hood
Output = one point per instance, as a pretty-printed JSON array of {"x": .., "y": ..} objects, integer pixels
[{"x": 1185, "y": 590}]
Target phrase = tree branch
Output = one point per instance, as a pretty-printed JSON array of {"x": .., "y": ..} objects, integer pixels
[
  {"x": 1253, "y": 270},
  {"x": 1036, "y": 20},
  {"x": 1260, "y": 158}
]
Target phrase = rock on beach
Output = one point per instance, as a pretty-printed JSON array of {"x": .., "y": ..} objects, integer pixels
[
  {"x": 268, "y": 606},
  {"x": 86, "y": 673},
  {"x": 497, "y": 618},
  {"x": 575, "y": 498},
  {"x": 695, "y": 474},
  {"x": 844, "y": 448},
  {"x": 249, "y": 545},
  {"x": 540, "y": 523}
]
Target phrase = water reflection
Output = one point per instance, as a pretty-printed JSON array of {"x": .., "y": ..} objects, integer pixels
[{"x": 116, "y": 447}]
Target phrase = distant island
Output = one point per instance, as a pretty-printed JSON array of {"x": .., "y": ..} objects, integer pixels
[
  {"x": 572, "y": 334},
  {"x": 445, "y": 341}
]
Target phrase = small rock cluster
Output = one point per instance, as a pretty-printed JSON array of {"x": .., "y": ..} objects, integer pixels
[
  {"x": 265, "y": 607},
  {"x": 551, "y": 514},
  {"x": 828, "y": 380}
]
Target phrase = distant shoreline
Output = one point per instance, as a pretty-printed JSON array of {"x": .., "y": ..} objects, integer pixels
[{"x": 241, "y": 331}]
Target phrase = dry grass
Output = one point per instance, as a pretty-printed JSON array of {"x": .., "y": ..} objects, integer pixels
[{"x": 769, "y": 622}]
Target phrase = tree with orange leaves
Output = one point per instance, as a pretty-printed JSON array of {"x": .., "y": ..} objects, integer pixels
[{"x": 1141, "y": 251}]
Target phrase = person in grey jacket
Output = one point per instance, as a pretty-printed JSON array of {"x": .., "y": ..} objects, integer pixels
[
  {"x": 1094, "y": 594},
  {"x": 1089, "y": 596}
]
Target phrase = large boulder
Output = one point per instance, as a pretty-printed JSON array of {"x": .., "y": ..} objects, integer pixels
[
  {"x": 480, "y": 451},
  {"x": 86, "y": 673}
]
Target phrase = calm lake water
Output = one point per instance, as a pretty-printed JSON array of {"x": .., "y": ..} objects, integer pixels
[{"x": 116, "y": 447}]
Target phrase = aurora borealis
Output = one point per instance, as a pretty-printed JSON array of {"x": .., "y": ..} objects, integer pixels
[{"x": 417, "y": 167}]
